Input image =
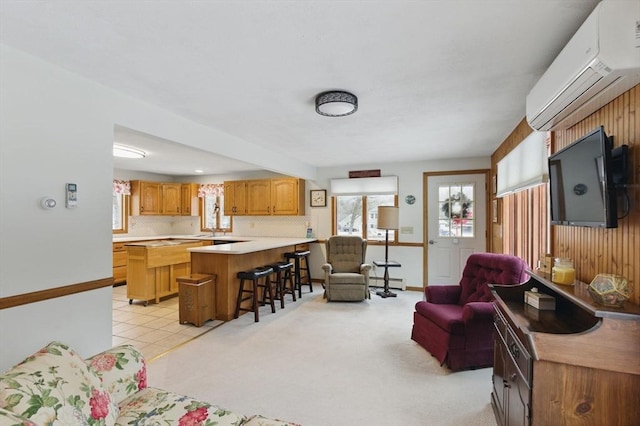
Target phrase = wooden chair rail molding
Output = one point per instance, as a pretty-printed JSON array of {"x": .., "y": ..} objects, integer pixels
[{"x": 52, "y": 293}]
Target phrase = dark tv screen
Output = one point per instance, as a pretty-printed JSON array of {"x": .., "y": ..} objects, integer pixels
[{"x": 582, "y": 191}]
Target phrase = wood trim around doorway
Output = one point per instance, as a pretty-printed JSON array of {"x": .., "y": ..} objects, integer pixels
[{"x": 425, "y": 213}]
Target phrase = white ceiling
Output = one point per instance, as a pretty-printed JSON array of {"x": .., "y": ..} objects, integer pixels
[{"x": 434, "y": 79}]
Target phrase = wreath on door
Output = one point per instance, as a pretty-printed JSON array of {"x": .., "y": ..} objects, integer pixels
[{"x": 457, "y": 206}]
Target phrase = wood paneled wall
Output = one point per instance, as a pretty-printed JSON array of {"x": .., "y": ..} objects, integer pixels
[
  {"x": 522, "y": 226},
  {"x": 615, "y": 251}
]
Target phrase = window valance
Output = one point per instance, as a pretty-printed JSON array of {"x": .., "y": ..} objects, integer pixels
[
  {"x": 121, "y": 187},
  {"x": 211, "y": 190},
  {"x": 385, "y": 185}
]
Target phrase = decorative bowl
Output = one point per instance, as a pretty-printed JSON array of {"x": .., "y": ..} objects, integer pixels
[{"x": 609, "y": 289}]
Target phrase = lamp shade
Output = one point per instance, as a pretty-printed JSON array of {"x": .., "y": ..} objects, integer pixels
[
  {"x": 336, "y": 103},
  {"x": 388, "y": 217}
]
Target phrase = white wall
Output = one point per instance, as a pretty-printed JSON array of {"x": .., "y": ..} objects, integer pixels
[
  {"x": 410, "y": 178},
  {"x": 57, "y": 127}
]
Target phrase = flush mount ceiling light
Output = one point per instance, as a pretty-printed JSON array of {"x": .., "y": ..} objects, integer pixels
[
  {"x": 336, "y": 103},
  {"x": 127, "y": 152}
]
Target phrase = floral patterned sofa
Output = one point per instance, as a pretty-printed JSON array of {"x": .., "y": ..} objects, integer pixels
[{"x": 55, "y": 386}]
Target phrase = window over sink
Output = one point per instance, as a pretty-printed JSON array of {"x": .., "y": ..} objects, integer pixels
[{"x": 212, "y": 217}]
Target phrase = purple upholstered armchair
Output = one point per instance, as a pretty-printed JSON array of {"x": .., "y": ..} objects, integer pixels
[{"x": 455, "y": 323}]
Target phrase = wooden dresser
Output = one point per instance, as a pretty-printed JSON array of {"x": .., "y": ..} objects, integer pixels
[{"x": 576, "y": 365}]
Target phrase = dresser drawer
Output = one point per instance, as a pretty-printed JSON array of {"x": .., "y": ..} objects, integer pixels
[
  {"x": 519, "y": 355},
  {"x": 500, "y": 324}
]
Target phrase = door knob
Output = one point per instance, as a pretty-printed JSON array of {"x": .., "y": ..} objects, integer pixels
[{"x": 432, "y": 242}]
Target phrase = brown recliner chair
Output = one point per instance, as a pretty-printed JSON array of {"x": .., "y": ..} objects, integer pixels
[
  {"x": 455, "y": 322},
  {"x": 346, "y": 275}
]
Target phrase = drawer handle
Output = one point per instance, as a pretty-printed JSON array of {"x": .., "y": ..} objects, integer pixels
[{"x": 515, "y": 351}]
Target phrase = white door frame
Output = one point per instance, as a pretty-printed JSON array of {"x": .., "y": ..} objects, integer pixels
[{"x": 425, "y": 212}]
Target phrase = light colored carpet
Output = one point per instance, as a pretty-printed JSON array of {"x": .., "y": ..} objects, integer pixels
[{"x": 319, "y": 363}]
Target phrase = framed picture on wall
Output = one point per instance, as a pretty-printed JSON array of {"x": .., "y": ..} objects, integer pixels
[{"x": 318, "y": 197}]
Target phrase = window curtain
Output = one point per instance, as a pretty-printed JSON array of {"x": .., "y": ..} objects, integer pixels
[
  {"x": 211, "y": 189},
  {"x": 386, "y": 185},
  {"x": 525, "y": 166},
  {"x": 121, "y": 187}
]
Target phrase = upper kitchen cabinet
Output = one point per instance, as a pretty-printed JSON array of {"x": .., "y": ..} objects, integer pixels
[
  {"x": 157, "y": 198},
  {"x": 189, "y": 199},
  {"x": 259, "y": 197},
  {"x": 235, "y": 198},
  {"x": 287, "y": 197},
  {"x": 171, "y": 198},
  {"x": 267, "y": 197},
  {"x": 146, "y": 198}
]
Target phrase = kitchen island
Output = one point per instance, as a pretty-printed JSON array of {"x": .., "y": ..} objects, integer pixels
[
  {"x": 226, "y": 260},
  {"x": 154, "y": 265}
]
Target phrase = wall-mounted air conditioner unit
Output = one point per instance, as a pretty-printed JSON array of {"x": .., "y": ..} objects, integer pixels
[{"x": 600, "y": 62}]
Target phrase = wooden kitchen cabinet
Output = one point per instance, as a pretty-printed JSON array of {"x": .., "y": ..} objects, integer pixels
[
  {"x": 119, "y": 263},
  {"x": 171, "y": 198},
  {"x": 266, "y": 197},
  {"x": 163, "y": 198},
  {"x": 189, "y": 199},
  {"x": 287, "y": 197},
  {"x": 259, "y": 197},
  {"x": 146, "y": 198},
  {"x": 578, "y": 364},
  {"x": 235, "y": 198}
]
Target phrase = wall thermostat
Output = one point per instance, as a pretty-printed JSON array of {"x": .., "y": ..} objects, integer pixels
[{"x": 72, "y": 196}]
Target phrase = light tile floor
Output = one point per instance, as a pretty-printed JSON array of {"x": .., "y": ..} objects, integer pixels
[{"x": 153, "y": 329}]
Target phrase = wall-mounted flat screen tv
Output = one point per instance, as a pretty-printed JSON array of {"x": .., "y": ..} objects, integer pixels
[{"x": 582, "y": 191}]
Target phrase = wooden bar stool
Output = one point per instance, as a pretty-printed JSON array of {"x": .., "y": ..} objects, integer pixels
[
  {"x": 288, "y": 285},
  {"x": 283, "y": 281},
  {"x": 197, "y": 302},
  {"x": 301, "y": 264},
  {"x": 254, "y": 276}
]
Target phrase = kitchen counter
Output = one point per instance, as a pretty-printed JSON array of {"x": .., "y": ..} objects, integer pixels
[
  {"x": 159, "y": 243},
  {"x": 252, "y": 245},
  {"x": 226, "y": 260},
  {"x": 197, "y": 237},
  {"x": 153, "y": 267}
]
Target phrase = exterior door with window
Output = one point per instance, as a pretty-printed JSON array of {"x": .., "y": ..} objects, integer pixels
[{"x": 456, "y": 224}]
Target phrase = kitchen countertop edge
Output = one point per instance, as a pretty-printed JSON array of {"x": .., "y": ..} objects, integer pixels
[
  {"x": 253, "y": 245},
  {"x": 240, "y": 245}
]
